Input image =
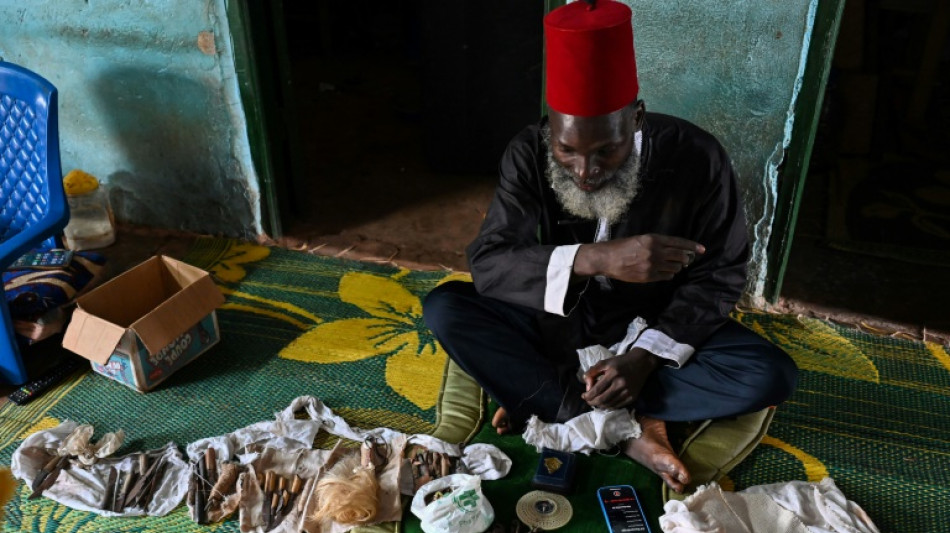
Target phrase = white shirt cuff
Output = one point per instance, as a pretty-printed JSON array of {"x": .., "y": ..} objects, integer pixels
[
  {"x": 659, "y": 344},
  {"x": 560, "y": 268}
]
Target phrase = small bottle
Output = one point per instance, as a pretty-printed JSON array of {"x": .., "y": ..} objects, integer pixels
[{"x": 91, "y": 222}]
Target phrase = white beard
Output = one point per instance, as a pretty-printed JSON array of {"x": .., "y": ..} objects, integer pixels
[{"x": 608, "y": 202}]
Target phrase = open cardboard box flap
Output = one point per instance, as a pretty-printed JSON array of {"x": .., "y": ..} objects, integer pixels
[
  {"x": 96, "y": 338},
  {"x": 92, "y": 337}
]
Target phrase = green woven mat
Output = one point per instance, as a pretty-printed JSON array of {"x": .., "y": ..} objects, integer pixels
[
  {"x": 871, "y": 412},
  {"x": 348, "y": 333}
]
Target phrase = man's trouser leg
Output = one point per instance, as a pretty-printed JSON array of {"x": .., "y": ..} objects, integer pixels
[
  {"x": 499, "y": 345},
  {"x": 734, "y": 373},
  {"x": 731, "y": 383}
]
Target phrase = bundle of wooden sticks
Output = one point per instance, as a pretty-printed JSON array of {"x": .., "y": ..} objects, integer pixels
[
  {"x": 136, "y": 486},
  {"x": 428, "y": 465},
  {"x": 280, "y": 495},
  {"x": 211, "y": 483}
]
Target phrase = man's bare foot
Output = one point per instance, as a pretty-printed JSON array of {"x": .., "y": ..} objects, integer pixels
[
  {"x": 500, "y": 421},
  {"x": 653, "y": 450}
]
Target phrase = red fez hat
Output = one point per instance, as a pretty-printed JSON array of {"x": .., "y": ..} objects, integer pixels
[{"x": 591, "y": 69}]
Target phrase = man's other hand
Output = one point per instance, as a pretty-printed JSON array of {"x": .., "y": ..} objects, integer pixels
[
  {"x": 638, "y": 259},
  {"x": 616, "y": 382}
]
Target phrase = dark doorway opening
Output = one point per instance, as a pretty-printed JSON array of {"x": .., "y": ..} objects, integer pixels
[
  {"x": 402, "y": 111},
  {"x": 872, "y": 245}
]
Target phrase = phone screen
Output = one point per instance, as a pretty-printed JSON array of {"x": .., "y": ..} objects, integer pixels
[{"x": 622, "y": 509}]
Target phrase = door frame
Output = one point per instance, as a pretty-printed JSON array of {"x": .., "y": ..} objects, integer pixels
[
  {"x": 795, "y": 166},
  {"x": 262, "y": 66}
]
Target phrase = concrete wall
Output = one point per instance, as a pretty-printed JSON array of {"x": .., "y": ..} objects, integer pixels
[
  {"x": 733, "y": 68},
  {"x": 148, "y": 102}
]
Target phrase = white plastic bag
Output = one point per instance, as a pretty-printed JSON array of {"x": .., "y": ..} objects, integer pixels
[{"x": 464, "y": 510}]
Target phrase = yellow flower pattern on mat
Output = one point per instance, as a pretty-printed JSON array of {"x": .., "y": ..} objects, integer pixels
[
  {"x": 228, "y": 267},
  {"x": 43, "y": 424},
  {"x": 16, "y": 430},
  {"x": 456, "y": 276},
  {"x": 940, "y": 354},
  {"x": 815, "y": 470},
  {"x": 826, "y": 351},
  {"x": 394, "y": 329}
]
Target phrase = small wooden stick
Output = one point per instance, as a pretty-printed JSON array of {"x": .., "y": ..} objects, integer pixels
[
  {"x": 135, "y": 471},
  {"x": 211, "y": 465},
  {"x": 154, "y": 483},
  {"x": 446, "y": 465},
  {"x": 201, "y": 497},
  {"x": 190, "y": 499},
  {"x": 110, "y": 487},
  {"x": 134, "y": 493},
  {"x": 267, "y": 511},
  {"x": 116, "y": 495},
  {"x": 129, "y": 478}
]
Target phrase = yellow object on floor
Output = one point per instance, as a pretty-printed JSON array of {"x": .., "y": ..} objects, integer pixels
[{"x": 7, "y": 486}]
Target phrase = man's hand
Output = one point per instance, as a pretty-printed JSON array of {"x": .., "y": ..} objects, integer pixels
[
  {"x": 616, "y": 382},
  {"x": 638, "y": 259}
]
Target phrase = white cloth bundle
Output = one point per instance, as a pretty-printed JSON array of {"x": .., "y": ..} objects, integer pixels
[{"x": 794, "y": 507}]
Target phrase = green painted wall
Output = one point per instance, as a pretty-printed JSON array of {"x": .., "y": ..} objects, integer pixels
[
  {"x": 148, "y": 103},
  {"x": 734, "y": 68}
]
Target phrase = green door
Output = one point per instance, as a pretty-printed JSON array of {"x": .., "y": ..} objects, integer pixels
[
  {"x": 795, "y": 168},
  {"x": 263, "y": 70}
]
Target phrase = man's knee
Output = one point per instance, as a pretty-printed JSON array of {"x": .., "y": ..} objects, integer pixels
[
  {"x": 771, "y": 374},
  {"x": 442, "y": 308},
  {"x": 781, "y": 376}
]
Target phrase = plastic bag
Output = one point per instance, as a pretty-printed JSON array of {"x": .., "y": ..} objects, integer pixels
[{"x": 463, "y": 510}]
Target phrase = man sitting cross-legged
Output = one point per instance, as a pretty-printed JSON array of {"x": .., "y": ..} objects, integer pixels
[{"x": 605, "y": 213}]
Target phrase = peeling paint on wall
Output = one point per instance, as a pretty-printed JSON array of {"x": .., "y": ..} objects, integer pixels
[
  {"x": 149, "y": 103},
  {"x": 206, "y": 43},
  {"x": 763, "y": 226},
  {"x": 734, "y": 69}
]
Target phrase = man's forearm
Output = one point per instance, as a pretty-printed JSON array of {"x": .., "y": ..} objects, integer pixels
[
  {"x": 651, "y": 360},
  {"x": 589, "y": 261}
]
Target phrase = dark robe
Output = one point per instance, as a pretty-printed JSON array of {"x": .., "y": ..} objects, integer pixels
[
  {"x": 497, "y": 329},
  {"x": 688, "y": 189}
]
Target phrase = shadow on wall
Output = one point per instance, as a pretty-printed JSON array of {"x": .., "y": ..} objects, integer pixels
[{"x": 175, "y": 133}]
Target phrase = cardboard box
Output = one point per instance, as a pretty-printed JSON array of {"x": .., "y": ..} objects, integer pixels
[{"x": 148, "y": 322}]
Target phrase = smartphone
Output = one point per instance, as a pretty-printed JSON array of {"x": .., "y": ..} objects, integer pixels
[
  {"x": 622, "y": 509},
  {"x": 43, "y": 260}
]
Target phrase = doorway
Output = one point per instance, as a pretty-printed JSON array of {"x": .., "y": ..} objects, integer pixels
[
  {"x": 872, "y": 244},
  {"x": 400, "y": 113}
]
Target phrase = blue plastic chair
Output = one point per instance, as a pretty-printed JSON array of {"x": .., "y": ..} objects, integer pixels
[{"x": 33, "y": 206}]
